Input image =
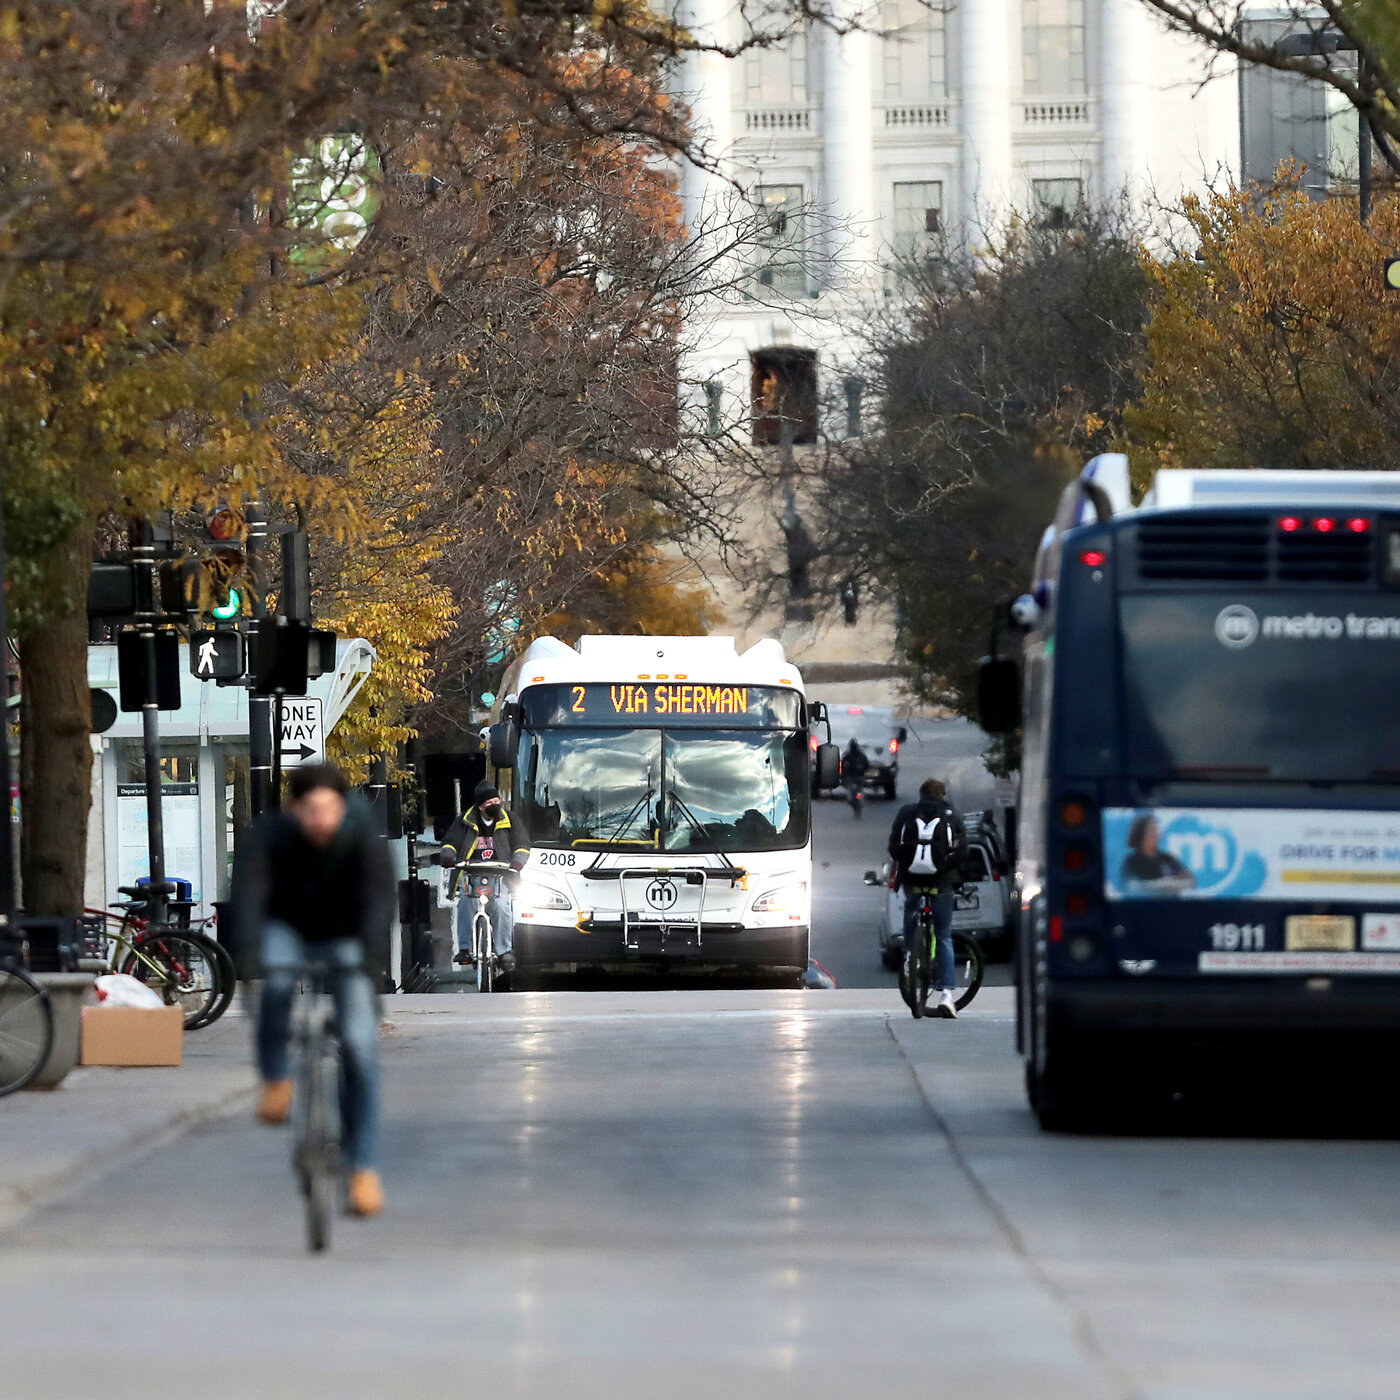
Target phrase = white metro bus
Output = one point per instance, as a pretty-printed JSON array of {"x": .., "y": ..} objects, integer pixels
[{"x": 665, "y": 786}]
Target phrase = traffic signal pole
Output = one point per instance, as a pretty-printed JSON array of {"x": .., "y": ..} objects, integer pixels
[
  {"x": 264, "y": 796},
  {"x": 155, "y": 820},
  {"x": 7, "y": 852}
]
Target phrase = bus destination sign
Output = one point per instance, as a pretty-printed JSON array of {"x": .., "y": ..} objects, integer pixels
[{"x": 661, "y": 703}]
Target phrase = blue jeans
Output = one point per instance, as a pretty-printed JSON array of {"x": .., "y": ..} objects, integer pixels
[
  {"x": 284, "y": 953},
  {"x": 942, "y": 902},
  {"x": 499, "y": 909}
]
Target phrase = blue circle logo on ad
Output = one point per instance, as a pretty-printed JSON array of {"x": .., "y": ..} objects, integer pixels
[
  {"x": 1208, "y": 852},
  {"x": 1236, "y": 626}
]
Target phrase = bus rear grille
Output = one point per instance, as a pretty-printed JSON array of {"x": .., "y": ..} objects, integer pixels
[
  {"x": 1220, "y": 547},
  {"x": 1331, "y": 558}
]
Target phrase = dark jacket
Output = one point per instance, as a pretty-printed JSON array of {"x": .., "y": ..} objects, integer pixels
[
  {"x": 926, "y": 811},
  {"x": 855, "y": 764},
  {"x": 343, "y": 891},
  {"x": 469, "y": 838}
]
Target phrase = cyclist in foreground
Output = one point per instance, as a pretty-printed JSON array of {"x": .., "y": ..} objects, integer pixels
[
  {"x": 314, "y": 881},
  {"x": 927, "y": 844},
  {"x": 485, "y": 832}
]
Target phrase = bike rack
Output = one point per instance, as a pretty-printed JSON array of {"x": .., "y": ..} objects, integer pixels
[{"x": 688, "y": 874}]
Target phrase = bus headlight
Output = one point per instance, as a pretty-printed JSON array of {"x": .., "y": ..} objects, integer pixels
[
  {"x": 786, "y": 899},
  {"x": 530, "y": 895}
]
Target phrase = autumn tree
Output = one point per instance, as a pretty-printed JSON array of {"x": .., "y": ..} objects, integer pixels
[
  {"x": 989, "y": 386},
  {"x": 1271, "y": 341},
  {"x": 150, "y": 319}
]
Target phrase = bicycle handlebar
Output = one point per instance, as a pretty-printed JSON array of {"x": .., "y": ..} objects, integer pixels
[{"x": 488, "y": 867}]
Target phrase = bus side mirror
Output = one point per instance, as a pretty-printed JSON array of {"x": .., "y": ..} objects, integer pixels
[
  {"x": 998, "y": 695},
  {"x": 504, "y": 740},
  {"x": 828, "y": 766}
]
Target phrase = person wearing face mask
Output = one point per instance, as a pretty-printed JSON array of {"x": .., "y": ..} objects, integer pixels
[{"x": 485, "y": 831}]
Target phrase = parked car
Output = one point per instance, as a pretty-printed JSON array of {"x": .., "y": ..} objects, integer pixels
[
  {"x": 982, "y": 907},
  {"x": 877, "y": 731}
]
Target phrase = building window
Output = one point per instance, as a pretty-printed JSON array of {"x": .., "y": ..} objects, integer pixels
[
  {"x": 1052, "y": 48},
  {"x": 775, "y": 75},
  {"x": 918, "y": 221},
  {"x": 914, "y": 52},
  {"x": 1058, "y": 203},
  {"x": 855, "y": 393},
  {"x": 714, "y": 408},
  {"x": 784, "y": 396},
  {"x": 780, "y": 263}
]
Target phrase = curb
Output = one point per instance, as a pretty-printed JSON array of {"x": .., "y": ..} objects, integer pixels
[{"x": 23, "y": 1199}]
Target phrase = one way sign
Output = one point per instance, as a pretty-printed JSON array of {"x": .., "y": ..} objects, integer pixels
[
  {"x": 216, "y": 656},
  {"x": 303, "y": 738}
]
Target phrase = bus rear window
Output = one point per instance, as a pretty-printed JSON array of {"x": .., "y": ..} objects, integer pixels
[{"x": 1247, "y": 686}]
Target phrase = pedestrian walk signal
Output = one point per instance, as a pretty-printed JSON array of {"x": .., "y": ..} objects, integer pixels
[{"x": 216, "y": 656}]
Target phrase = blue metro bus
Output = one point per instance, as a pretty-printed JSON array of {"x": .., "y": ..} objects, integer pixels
[{"x": 1210, "y": 802}]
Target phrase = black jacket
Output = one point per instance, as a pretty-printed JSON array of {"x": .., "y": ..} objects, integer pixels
[
  {"x": 469, "y": 838},
  {"x": 926, "y": 811},
  {"x": 345, "y": 890}
]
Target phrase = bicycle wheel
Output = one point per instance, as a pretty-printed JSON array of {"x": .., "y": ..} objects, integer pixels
[
  {"x": 227, "y": 976},
  {"x": 26, "y": 1029},
  {"x": 485, "y": 954},
  {"x": 967, "y": 969},
  {"x": 183, "y": 968},
  {"x": 317, "y": 1140}
]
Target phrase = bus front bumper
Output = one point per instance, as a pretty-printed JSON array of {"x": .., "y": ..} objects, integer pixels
[
  {"x": 600, "y": 944},
  {"x": 1202, "y": 1006}
]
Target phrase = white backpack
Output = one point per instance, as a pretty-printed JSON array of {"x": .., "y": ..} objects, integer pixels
[{"x": 932, "y": 845}]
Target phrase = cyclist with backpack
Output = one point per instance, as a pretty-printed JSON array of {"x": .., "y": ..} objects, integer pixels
[{"x": 927, "y": 844}]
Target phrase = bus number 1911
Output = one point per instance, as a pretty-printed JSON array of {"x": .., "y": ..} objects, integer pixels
[{"x": 1242, "y": 938}]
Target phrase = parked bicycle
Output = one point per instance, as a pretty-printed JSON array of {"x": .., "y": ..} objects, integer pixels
[
  {"x": 318, "y": 1106},
  {"x": 26, "y": 1023},
  {"x": 480, "y": 950},
  {"x": 916, "y": 976},
  {"x": 185, "y": 966}
]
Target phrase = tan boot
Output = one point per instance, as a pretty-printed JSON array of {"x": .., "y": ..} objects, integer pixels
[
  {"x": 275, "y": 1104},
  {"x": 365, "y": 1195}
]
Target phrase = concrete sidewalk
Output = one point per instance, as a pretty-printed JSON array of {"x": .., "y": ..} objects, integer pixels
[{"x": 49, "y": 1139}]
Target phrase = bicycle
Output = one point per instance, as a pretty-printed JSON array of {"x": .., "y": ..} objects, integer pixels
[
  {"x": 318, "y": 1106},
  {"x": 186, "y": 967},
  {"x": 916, "y": 972},
  {"x": 26, "y": 1026},
  {"x": 482, "y": 953}
]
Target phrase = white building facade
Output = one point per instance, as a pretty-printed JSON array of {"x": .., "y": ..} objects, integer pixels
[{"x": 930, "y": 132}]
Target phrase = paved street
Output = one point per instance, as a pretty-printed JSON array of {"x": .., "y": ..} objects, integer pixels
[
  {"x": 714, "y": 1194},
  {"x": 710, "y": 1193}
]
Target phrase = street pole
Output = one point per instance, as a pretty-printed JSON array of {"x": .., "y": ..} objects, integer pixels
[
  {"x": 155, "y": 821},
  {"x": 260, "y": 739},
  {"x": 7, "y": 850}
]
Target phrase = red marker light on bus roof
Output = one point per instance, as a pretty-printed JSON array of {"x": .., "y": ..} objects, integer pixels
[
  {"x": 1358, "y": 525},
  {"x": 1289, "y": 523},
  {"x": 1324, "y": 523},
  {"x": 1093, "y": 558}
]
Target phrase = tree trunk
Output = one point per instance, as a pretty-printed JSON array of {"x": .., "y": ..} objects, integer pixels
[{"x": 55, "y": 722}]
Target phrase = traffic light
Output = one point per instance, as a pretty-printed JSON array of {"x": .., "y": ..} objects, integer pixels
[{"x": 189, "y": 587}]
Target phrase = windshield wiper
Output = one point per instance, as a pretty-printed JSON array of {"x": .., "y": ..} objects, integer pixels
[
  {"x": 676, "y": 801},
  {"x": 644, "y": 799}
]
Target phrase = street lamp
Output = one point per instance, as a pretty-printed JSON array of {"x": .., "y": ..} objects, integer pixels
[{"x": 1322, "y": 43}]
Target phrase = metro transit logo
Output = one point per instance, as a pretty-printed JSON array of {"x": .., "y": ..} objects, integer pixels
[
  {"x": 1214, "y": 856},
  {"x": 1236, "y": 626}
]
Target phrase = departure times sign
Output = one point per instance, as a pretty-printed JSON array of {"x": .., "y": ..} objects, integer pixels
[{"x": 661, "y": 703}]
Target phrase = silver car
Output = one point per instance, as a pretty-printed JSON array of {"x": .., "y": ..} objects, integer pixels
[{"x": 981, "y": 907}]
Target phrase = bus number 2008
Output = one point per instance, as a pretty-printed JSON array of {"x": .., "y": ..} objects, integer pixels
[
  {"x": 556, "y": 858},
  {"x": 1231, "y": 938}
]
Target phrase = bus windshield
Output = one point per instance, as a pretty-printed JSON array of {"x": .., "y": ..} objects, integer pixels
[
  {"x": 700, "y": 790},
  {"x": 1264, "y": 686}
]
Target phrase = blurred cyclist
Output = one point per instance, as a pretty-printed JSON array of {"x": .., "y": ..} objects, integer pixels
[{"x": 313, "y": 880}]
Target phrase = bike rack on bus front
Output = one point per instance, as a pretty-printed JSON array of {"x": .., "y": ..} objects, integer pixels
[{"x": 690, "y": 874}]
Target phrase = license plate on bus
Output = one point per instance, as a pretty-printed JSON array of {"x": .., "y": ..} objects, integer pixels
[{"x": 1305, "y": 933}]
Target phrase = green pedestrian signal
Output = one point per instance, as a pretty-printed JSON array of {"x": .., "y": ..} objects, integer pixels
[{"x": 229, "y": 608}]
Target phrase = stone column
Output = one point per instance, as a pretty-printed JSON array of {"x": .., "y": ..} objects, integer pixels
[
  {"x": 705, "y": 87},
  {"x": 990, "y": 45},
  {"x": 1125, "y": 98},
  {"x": 848, "y": 193}
]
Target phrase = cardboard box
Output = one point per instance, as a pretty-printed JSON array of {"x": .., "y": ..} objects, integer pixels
[{"x": 130, "y": 1035}]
